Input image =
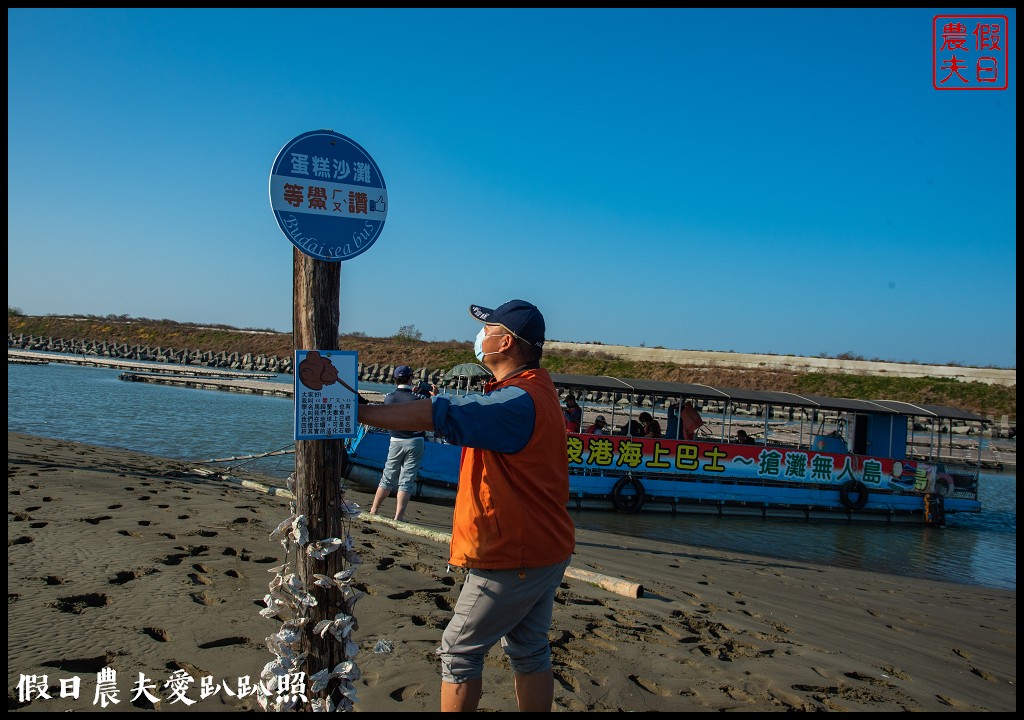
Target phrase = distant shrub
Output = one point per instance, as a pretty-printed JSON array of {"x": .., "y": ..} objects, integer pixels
[{"x": 408, "y": 332}]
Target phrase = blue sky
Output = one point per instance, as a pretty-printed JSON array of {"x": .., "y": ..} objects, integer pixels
[{"x": 763, "y": 181}]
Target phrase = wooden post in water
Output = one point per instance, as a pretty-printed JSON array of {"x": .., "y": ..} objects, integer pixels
[{"x": 315, "y": 319}]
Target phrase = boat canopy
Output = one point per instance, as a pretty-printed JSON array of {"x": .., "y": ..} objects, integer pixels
[{"x": 635, "y": 386}]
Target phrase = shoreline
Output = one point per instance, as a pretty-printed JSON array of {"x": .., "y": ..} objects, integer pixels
[
  {"x": 997, "y": 453},
  {"x": 144, "y": 564}
]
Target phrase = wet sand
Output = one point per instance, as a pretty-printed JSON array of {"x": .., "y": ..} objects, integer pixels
[{"x": 144, "y": 565}]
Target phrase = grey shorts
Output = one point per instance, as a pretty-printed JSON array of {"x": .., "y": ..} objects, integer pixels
[
  {"x": 403, "y": 464},
  {"x": 500, "y": 605}
]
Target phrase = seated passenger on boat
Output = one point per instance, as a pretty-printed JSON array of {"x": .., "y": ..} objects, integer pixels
[
  {"x": 651, "y": 427},
  {"x": 744, "y": 439},
  {"x": 598, "y": 427},
  {"x": 573, "y": 414},
  {"x": 633, "y": 428},
  {"x": 691, "y": 420}
]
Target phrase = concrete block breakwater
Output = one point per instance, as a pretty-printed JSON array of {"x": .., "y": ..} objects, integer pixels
[{"x": 245, "y": 362}]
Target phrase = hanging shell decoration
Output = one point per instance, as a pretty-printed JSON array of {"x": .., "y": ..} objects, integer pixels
[{"x": 289, "y": 600}]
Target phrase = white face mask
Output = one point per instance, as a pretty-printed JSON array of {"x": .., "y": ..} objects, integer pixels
[{"x": 478, "y": 345}]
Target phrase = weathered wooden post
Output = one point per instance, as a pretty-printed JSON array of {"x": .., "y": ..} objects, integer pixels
[
  {"x": 329, "y": 199},
  {"x": 316, "y": 315}
]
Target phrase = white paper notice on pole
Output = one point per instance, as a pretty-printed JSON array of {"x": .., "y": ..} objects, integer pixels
[{"x": 325, "y": 394}]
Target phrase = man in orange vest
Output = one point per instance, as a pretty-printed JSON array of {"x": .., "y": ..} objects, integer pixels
[{"x": 511, "y": 530}]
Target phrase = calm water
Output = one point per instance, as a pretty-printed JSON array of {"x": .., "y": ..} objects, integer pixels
[{"x": 91, "y": 405}]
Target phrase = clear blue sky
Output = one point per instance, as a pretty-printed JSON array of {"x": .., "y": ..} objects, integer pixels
[{"x": 764, "y": 181}]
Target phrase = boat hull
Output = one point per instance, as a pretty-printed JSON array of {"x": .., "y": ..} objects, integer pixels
[{"x": 642, "y": 475}]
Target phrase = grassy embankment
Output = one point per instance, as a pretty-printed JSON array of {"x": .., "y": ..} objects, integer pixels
[{"x": 988, "y": 400}]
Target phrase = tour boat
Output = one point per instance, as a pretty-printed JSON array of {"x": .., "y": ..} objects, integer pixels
[{"x": 805, "y": 456}]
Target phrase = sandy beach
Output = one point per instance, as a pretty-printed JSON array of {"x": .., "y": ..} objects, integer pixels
[{"x": 146, "y": 565}]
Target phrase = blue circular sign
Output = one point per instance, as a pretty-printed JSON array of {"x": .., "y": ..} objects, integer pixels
[{"x": 328, "y": 195}]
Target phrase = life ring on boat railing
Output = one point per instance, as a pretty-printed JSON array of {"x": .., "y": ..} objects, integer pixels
[
  {"x": 853, "y": 494},
  {"x": 944, "y": 485},
  {"x": 628, "y": 503}
]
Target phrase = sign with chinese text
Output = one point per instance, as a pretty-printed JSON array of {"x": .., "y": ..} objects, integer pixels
[
  {"x": 652, "y": 458},
  {"x": 328, "y": 196},
  {"x": 325, "y": 394},
  {"x": 970, "y": 52}
]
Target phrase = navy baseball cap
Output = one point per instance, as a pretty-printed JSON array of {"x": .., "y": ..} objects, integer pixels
[
  {"x": 519, "y": 317},
  {"x": 403, "y": 371}
]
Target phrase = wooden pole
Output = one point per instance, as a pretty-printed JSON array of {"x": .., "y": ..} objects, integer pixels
[{"x": 316, "y": 316}]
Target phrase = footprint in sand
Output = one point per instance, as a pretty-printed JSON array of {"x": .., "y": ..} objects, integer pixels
[
  {"x": 568, "y": 682},
  {"x": 194, "y": 550},
  {"x": 158, "y": 634},
  {"x": 896, "y": 672},
  {"x": 126, "y": 576},
  {"x": 78, "y": 603},
  {"x": 203, "y": 599},
  {"x": 406, "y": 693},
  {"x": 983, "y": 674},
  {"x": 174, "y": 559},
  {"x": 81, "y": 665},
  {"x": 650, "y": 686},
  {"x": 385, "y": 563},
  {"x": 96, "y": 520},
  {"x": 229, "y": 641}
]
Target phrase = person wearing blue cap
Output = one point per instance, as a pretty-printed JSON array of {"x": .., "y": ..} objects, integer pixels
[
  {"x": 405, "y": 451},
  {"x": 511, "y": 530}
]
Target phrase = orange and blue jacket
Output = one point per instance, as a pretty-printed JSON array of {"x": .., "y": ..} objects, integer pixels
[{"x": 510, "y": 510}]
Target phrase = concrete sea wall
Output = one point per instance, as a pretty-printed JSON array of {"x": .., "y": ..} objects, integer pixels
[{"x": 990, "y": 376}]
